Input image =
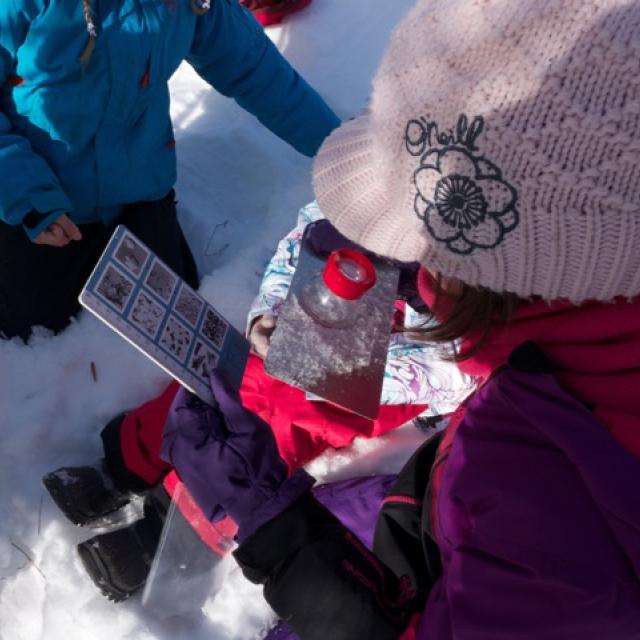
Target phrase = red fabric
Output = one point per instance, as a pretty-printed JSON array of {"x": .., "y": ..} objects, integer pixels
[
  {"x": 269, "y": 12},
  {"x": 141, "y": 437},
  {"x": 411, "y": 632},
  {"x": 304, "y": 429},
  {"x": 595, "y": 348}
]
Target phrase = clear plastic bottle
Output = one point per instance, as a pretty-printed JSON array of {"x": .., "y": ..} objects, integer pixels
[{"x": 329, "y": 298}]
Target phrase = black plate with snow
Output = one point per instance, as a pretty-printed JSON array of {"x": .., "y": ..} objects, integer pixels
[{"x": 344, "y": 366}]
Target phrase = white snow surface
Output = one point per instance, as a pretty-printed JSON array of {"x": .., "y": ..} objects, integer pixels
[{"x": 239, "y": 191}]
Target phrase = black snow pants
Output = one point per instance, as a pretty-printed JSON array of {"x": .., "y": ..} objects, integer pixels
[{"x": 39, "y": 285}]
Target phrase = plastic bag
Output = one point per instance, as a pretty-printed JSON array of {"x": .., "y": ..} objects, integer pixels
[{"x": 191, "y": 561}]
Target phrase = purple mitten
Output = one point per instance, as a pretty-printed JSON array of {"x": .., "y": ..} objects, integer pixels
[
  {"x": 323, "y": 237},
  {"x": 228, "y": 459}
]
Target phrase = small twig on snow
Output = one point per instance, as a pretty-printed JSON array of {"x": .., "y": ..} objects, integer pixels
[
  {"x": 28, "y": 557},
  {"x": 210, "y": 250}
]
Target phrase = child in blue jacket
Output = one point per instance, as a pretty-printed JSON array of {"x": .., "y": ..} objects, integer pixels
[{"x": 86, "y": 140}]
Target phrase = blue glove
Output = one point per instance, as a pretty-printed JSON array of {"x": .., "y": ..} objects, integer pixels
[{"x": 228, "y": 459}]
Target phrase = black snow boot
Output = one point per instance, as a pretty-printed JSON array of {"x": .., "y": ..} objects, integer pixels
[
  {"x": 119, "y": 561},
  {"x": 86, "y": 495}
]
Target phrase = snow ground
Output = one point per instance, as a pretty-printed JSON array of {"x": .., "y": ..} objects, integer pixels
[{"x": 239, "y": 190}]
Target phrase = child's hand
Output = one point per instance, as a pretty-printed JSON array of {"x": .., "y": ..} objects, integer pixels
[
  {"x": 59, "y": 233},
  {"x": 260, "y": 334}
]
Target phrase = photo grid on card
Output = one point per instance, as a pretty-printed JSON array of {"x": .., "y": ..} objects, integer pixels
[
  {"x": 147, "y": 314},
  {"x": 160, "y": 314},
  {"x": 115, "y": 287},
  {"x": 131, "y": 255},
  {"x": 176, "y": 338},
  {"x": 214, "y": 328},
  {"x": 203, "y": 360},
  {"x": 188, "y": 305},
  {"x": 161, "y": 281}
]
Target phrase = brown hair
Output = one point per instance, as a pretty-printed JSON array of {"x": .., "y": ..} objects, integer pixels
[
  {"x": 87, "y": 12},
  {"x": 469, "y": 312}
]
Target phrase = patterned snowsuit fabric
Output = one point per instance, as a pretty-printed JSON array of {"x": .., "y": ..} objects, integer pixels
[{"x": 89, "y": 141}]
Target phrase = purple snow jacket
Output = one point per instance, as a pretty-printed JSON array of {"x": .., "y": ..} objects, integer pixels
[{"x": 537, "y": 520}]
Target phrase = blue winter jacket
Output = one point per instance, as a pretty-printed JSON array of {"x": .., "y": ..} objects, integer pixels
[{"x": 87, "y": 141}]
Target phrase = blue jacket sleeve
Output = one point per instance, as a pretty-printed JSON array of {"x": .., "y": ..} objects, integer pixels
[
  {"x": 232, "y": 53},
  {"x": 27, "y": 182}
]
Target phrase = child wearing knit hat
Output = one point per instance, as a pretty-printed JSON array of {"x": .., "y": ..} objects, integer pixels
[{"x": 502, "y": 152}]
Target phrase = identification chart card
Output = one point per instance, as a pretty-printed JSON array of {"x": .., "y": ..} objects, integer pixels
[{"x": 148, "y": 304}]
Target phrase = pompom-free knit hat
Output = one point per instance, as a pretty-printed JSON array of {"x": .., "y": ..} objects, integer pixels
[{"x": 502, "y": 147}]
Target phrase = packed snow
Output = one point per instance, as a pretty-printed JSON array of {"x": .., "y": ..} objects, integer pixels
[{"x": 239, "y": 191}]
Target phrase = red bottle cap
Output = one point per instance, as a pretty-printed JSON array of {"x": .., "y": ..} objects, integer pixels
[{"x": 349, "y": 274}]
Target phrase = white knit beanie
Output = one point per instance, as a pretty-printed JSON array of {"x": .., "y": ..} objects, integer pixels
[{"x": 502, "y": 147}]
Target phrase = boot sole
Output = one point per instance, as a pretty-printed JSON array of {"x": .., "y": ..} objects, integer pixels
[{"x": 99, "y": 573}]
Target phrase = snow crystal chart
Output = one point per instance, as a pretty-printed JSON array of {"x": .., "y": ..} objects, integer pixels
[{"x": 147, "y": 303}]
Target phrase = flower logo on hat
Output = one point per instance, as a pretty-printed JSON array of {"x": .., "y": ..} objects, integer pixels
[{"x": 461, "y": 197}]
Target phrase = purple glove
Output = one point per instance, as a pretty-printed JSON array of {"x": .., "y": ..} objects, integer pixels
[
  {"x": 323, "y": 238},
  {"x": 228, "y": 459}
]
